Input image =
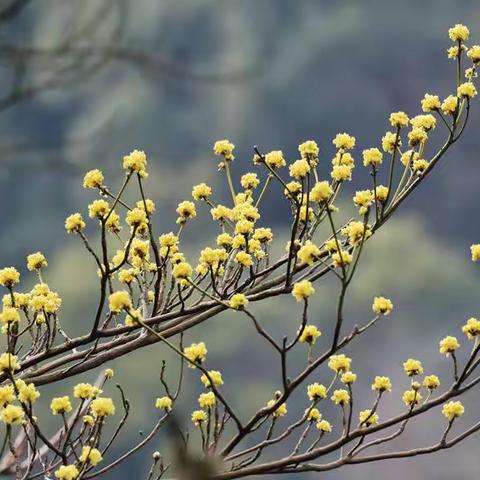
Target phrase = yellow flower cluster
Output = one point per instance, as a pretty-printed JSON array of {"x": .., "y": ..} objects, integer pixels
[
  {"x": 302, "y": 290},
  {"x": 238, "y": 301},
  {"x": 339, "y": 363},
  {"x": 136, "y": 161},
  {"x": 452, "y": 410},
  {"x": 316, "y": 391},
  {"x": 382, "y": 305},
  {"x": 196, "y": 352},
  {"x": 309, "y": 334},
  {"x": 9, "y": 276},
  {"x": 164, "y": 403}
]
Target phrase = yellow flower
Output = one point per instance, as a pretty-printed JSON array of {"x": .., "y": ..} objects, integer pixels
[
  {"x": 149, "y": 203},
  {"x": 367, "y": 417},
  {"x": 113, "y": 223},
  {"x": 221, "y": 213},
  {"x": 249, "y": 181},
  {"x": 201, "y": 191},
  {"x": 302, "y": 290},
  {"x": 12, "y": 415},
  {"x": 133, "y": 317},
  {"x": 344, "y": 141},
  {"x": 321, "y": 192},
  {"x": 427, "y": 122},
  {"x": 9, "y": 276},
  {"x": 472, "y": 328},
  {"x": 449, "y": 105},
  {"x": 88, "y": 420},
  {"x": 281, "y": 410},
  {"x": 449, "y": 345},
  {"x": 196, "y": 352},
  {"x": 263, "y": 235},
  {"x": 474, "y": 53},
  {"x": 308, "y": 253},
  {"x": 343, "y": 158},
  {"x": 9, "y": 316},
  {"x": 36, "y": 261},
  {"x": 244, "y": 259},
  {"x": 467, "y": 89},
  {"x": 412, "y": 367},
  {"x": 340, "y": 397},
  {"x": 313, "y": 415},
  {"x": 182, "y": 270},
  {"x": 127, "y": 276},
  {"x": 341, "y": 173},
  {"x": 316, "y": 391},
  {"x": 382, "y": 305},
  {"x": 475, "y": 251},
  {"x": 74, "y": 223},
  {"x": 98, "y": 209},
  {"x": 186, "y": 209},
  {"x": 275, "y": 159},
  {"x": 339, "y": 363},
  {"x": 85, "y": 390},
  {"x": 389, "y": 141},
  {"x": 216, "y": 377},
  {"x": 453, "y": 52},
  {"x": 60, "y": 405},
  {"x": 431, "y": 103},
  {"x": 244, "y": 227},
  {"x": 303, "y": 213},
  {"x": 238, "y": 301},
  {"x": 136, "y": 217},
  {"x": 382, "y": 384},
  {"x": 324, "y": 426},
  {"x": 341, "y": 258},
  {"x": 417, "y": 136},
  {"x": 90, "y": 455},
  {"x": 459, "y": 33},
  {"x": 363, "y": 198},
  {"x": 136, "y": 161},
  {"x": 356, "y": 232},
  {"x": 452, "y": 410},
  {"x": 293, "y": 188},
  {"x": 408, "y": 157},
  {"x": 7, "y": 395},
  {"x": 308, "y": 149},
  {"x": 310, "y": 334},
  {"x": 9, "y": 362},
  {"x": 28, "y": 393},
  {"x": 224, "y": 148},
  {"x": 411, "y": 398},
  {"x": 102, "y": 406},
  {"x": 67, "y": 472},
  {"x": 207, "y": 400},
  {"x": 119, "y": 301},
  {"x": 399, "y": 119},
  {"x": 198, "y": 417},
  {"x": 381, "y": 193},
  {"x": 420, "y": 166},
  {"x": 20, "y": 300},
  {"x": 372, "y": 156},
  {"x": 164, "y": 403},
  {"x": 431, "y": 382},
  {"x": 168, "y": 240},
  {"x": 93, "y": 179},
  {"x": 348, "y": 378},
  {"x": 299, "y": 169}
]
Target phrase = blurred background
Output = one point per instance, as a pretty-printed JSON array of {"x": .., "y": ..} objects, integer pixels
[{"x": 84, "y": 82}]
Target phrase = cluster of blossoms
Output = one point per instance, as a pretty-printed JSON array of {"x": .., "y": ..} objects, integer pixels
[
  {"x": 151, "y": 291},
  {"x": 17, "y": 400}
]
